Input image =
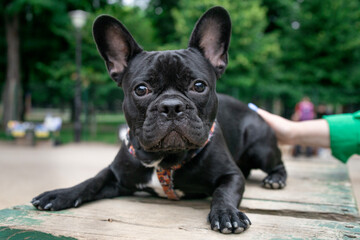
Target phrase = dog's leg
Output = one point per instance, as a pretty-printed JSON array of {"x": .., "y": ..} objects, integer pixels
[
  {"x": 103, "y": 185},
  {"x": 268, "y": 159},
  {"x": 274, "y": 167},
  {"x": 224, "y": 214}
]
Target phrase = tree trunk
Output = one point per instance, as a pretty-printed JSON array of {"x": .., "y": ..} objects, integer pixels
[{"x": 11, "y": 92}]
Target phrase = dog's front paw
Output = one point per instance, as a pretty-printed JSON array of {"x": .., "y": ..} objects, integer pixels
[
  {"x": 228, "y": 220},
  {"x": 276, "y": 179},
  {"x": 57, "y": 200}
]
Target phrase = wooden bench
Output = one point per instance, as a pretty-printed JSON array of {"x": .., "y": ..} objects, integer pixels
[{"x": 317, "y": 203}]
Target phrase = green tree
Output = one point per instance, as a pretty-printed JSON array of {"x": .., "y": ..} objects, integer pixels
[
  {"x": 320, "y": 41},
  {"x": 29, "y": 24},
  {"x": 11, "y": 91},
  {"x": 160, "y": 13}
]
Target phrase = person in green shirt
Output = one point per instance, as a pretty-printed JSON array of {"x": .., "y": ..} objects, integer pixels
[{"x": 340, "y": 132}]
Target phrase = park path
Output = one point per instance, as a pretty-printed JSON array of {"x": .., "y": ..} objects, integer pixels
[{"x": 28, "y": 171}]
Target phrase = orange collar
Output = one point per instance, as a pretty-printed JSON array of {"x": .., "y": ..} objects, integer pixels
[{"x": 165, "y": 176}]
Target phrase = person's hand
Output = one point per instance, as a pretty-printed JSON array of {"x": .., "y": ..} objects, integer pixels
[
  {"x": 310, "y": 133},
  {"x": 282, "y": 127}
]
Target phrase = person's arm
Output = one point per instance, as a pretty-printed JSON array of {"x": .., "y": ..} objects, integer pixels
[
  {"x": 340, "y": 132},
  {"x": 311, "y": 133}
]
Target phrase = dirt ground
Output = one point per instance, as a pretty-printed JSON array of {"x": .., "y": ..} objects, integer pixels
[{"x": 27, "y": 171}]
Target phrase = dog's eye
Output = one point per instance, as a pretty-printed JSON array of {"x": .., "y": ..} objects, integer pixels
[
  {"x": 141, "y": 90},
  {"x": 199, "y": 86}
]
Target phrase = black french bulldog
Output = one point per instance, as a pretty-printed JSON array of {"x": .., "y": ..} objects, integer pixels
[{"x": 184, "y": 140}]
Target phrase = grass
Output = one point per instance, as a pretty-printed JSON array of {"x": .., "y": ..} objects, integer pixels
[
  {"x": 106, "y": 133},
  {"x": 110, "y": 118}
]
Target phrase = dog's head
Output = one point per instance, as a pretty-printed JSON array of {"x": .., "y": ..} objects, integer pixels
[{"x": 170, "y": 101}]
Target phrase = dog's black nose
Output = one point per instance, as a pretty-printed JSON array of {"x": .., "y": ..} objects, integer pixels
[{"x": 171, "y": 108}]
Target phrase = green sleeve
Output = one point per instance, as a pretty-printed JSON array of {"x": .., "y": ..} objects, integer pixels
[{"x": 344, "y": 135}]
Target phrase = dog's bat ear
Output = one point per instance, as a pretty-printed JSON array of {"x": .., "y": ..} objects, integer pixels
[
  {"x": 211, "y": 36},
  {"x": 115, "y": 44}
]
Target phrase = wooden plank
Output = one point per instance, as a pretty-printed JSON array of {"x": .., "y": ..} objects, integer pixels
[
  {"x": 303, "y": 210},
  {"x": 309, "y": 182},
  {"x": 127, "y": 218},
  {"x": 318, "y": 186}
]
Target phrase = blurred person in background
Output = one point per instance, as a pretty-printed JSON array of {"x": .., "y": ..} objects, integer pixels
[{"x": 304, "y": 111}]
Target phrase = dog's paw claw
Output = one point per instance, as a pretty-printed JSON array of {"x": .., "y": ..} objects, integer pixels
[
  {"x": 275, "y": 185},
  {"x": 247, "y": 221},
  {"x": 216, "y": 226},
  {"x": 226, "y": 230},
  {"x": 48, "y": 206},
  {"x": 35, "y": 202},
  {"x": 77, "y": 203},
  {"x": 235, "y": 225},
  {"x": 239, "y": 230}
]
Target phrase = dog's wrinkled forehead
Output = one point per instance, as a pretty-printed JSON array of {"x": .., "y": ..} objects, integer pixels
[{"x": 176, "y": 68}]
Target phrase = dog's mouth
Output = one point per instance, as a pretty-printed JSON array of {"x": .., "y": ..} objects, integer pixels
[
  {"x": 172, "y": 142},
  {"x": 172, "y": 136}
]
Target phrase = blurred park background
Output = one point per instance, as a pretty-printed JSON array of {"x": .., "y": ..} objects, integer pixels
[{"x": 281, "y": 50}]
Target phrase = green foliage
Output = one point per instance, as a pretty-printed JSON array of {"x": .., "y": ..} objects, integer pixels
[
  {"x": 320, "y": 41},
  {"x": 58, "y": 89},
  {"x": 159, "y": 11}
]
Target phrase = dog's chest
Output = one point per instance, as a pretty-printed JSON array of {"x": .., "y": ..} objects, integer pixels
[{"x": 154, "y": 184}]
